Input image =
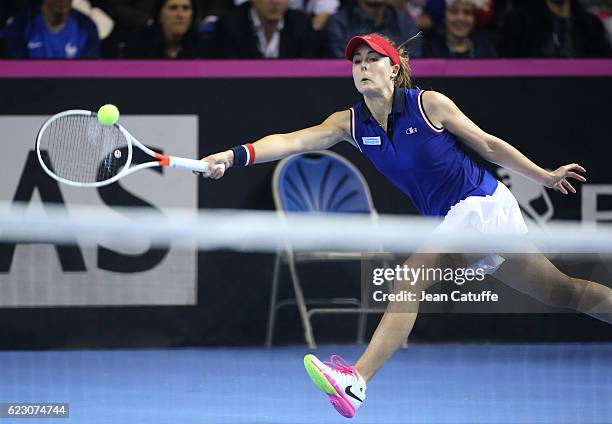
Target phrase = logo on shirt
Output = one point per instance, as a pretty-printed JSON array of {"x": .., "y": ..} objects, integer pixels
[
  {"x": 71, "y": 50},
  {"x": 371, "y": 141},
  {"x": 411, "y": 130},
  {"x": 34, "y": 44}
]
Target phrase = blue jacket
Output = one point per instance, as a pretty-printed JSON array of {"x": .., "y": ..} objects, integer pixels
[{"x": 26, "y": 36}]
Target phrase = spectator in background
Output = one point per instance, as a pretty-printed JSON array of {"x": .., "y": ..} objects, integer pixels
[
  {"x": 458, "y": 39},
  {"x": 319, "y": 10},
  {"x": 368, "y": 16},
  {"x": 265, "y": 29},
  {"x": 52, "y": 30},
  {"x": 553, "y": 28},
  {"x": 173, "y": 34},
  {"x": 134, "y": 16}
]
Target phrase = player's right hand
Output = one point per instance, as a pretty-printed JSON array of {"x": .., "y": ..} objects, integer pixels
[{"x": 217, "y": 164}]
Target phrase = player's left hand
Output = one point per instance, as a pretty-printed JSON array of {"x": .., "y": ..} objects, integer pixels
[{"x": 558, "y": 178}]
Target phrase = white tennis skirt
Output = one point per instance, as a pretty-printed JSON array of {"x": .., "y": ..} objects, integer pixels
[{"x": 498, "y": 213}]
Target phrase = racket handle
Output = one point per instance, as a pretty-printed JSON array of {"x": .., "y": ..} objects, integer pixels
[{"x": 191, "y": 164}]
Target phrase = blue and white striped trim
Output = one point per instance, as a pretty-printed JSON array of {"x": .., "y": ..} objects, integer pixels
[
  {"x": 354, "y": 140},
  {"x": 424, "y": 115}
]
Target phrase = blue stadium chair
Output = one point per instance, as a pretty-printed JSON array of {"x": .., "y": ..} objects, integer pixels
[{"x": 317, "y": 182}]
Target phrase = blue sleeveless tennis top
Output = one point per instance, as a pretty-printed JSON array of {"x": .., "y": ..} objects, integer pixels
[{"x": 426, "y": 163}]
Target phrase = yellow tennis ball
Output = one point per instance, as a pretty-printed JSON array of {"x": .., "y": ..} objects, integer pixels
[{"x": 108, "y": 114}]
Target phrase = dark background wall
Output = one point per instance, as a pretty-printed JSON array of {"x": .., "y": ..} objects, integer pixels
[{"x": 554, "y": 120}]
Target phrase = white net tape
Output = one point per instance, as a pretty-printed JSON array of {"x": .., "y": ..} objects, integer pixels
[{"x": 268, "y": 231}]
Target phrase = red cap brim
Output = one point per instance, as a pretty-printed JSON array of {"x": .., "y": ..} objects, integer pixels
[{"x": 376, "y": 43}]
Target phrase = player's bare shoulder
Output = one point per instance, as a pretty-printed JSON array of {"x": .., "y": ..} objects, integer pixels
[
  {"x": 341, "y": 121},
  {"x": 433, "y": 100},
  {"x": 436, "y": 106}
]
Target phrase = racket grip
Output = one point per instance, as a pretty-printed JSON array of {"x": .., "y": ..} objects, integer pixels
[{"x": 191, "y": 164}]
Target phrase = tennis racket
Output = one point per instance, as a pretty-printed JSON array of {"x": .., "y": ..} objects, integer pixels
[{"x": 74, "y": 148}]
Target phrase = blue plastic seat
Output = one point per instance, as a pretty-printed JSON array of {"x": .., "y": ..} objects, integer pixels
[
  {"x": 317, "y": 182},
  {"x": 320, "y": 182}
]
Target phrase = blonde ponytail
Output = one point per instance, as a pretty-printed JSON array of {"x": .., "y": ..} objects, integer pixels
[{"x": 402, "y": 80}]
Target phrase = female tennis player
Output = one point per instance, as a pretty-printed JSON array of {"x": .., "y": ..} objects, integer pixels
[{"x": 415, "y": 138}]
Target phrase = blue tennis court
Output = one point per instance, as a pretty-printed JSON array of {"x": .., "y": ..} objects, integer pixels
[{"x": 423, "y": 384}]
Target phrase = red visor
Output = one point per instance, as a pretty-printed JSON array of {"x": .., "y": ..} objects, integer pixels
[{"x": 376, "y": 43}]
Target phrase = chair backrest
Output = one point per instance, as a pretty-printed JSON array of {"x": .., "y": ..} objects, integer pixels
[{"x": 321, "y": 181}]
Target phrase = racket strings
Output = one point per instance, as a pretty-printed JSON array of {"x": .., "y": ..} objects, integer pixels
[{"x": 80, "y": 149}]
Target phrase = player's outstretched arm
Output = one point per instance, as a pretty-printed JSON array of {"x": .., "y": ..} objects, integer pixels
[
  {"x": 444, "y": 112},
  {"x": 334, "y": 129}
]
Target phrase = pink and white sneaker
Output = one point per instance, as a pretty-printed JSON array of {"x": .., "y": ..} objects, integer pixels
[{"x": 342, "y": 383}]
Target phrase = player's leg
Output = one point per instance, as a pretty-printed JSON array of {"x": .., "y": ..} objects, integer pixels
[
  {"x": 399, "y": 318},
  {"x": 533, "y": 274},
  {"x": 344, "y": 384}
]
